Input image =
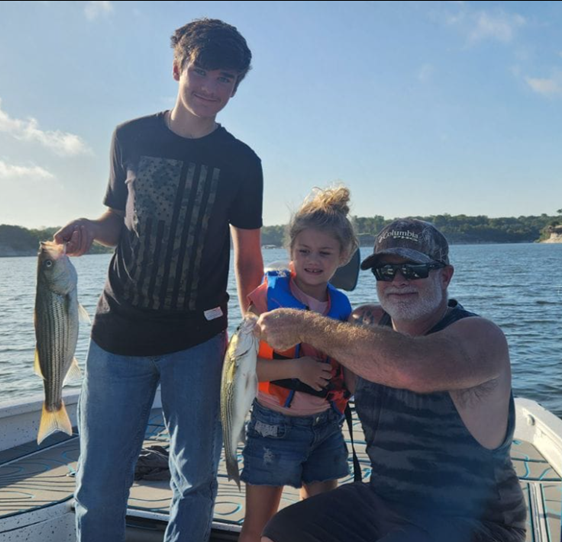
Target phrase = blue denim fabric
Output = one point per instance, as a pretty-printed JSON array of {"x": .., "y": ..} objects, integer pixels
[
  {"x": 290, "y": 450},
  {"x": 114, "y": 408},
  {"x": 354, "y": 512}
]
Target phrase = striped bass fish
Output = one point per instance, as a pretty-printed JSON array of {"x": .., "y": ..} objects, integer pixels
[
  {"x": 56, "y": 333},
  {"x": 238, "y": 389}
]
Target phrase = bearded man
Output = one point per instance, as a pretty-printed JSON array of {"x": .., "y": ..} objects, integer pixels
[{"x": 433, "y": 393}]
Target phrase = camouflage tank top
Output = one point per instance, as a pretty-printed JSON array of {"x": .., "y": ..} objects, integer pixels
[{"x": 426, "y": 461}]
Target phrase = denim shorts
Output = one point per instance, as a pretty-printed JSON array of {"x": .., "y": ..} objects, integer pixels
[{"x": 291, "y": 450}]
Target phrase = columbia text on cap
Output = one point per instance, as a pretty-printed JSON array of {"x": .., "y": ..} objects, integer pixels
[{"x": 410, "y": 238}]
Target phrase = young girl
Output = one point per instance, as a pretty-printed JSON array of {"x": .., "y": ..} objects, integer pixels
[{"x": 294, "y": 436}]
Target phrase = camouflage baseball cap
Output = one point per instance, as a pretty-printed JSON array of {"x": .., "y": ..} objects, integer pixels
[{"x": 416, "y": 240}]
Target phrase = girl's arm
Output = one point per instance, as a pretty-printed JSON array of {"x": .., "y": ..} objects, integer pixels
[{"x": 308, "y": 370}]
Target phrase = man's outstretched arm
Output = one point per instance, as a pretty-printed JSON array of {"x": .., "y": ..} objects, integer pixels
[{"x": 464, "y": 355}]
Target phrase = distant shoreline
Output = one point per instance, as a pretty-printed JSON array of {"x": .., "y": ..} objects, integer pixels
[
  {"x": 9, "y": 252},
  {"x": 16, "y": 241}
]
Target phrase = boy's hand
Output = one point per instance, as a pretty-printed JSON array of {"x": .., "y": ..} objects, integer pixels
[{"x": 78, "y": 236}]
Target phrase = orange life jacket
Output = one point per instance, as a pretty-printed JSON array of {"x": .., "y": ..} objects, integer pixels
[{"x": 279, "y": 295}]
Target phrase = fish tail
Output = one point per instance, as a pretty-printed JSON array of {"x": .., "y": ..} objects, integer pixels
[
  {"x": 232, "y": 470},
  {"x": 52, "y": 421}
]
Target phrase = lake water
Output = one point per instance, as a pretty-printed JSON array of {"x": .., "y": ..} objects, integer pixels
[{"x": 518, "y": 286}]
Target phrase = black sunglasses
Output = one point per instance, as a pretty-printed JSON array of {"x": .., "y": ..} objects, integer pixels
[{"x": 410, "y": 271}]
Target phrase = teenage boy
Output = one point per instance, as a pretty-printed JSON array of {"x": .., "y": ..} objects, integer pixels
[{"x": 178, "y": 180}]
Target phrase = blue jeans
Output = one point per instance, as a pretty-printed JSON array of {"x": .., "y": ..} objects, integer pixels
[{"x": 115, "y": 403}]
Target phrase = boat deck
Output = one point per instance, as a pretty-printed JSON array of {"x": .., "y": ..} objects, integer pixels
[{"x": 41, "y": 480}]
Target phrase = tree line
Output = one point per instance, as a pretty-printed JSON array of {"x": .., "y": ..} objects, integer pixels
[{"x": 459, "y": 229}]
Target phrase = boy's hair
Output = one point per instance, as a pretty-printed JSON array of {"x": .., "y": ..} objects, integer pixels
[
  {"x": 212, "y": 44},
  {"x": 326, "y": 210}
]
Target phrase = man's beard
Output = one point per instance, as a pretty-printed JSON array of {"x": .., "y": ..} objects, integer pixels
[{"x": 411, "y": 309}]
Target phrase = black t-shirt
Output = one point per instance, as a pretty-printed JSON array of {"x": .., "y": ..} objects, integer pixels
[{"x": 166, "y": 286}]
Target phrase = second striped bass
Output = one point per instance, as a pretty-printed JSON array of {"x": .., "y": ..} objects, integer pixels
[{"x": 238, "y": 389}]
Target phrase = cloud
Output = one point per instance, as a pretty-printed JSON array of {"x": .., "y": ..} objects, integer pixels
[
  {"x": 499, "y": 26},
  {"x": 61, "y": 143},
  {"x": 9, "y": 172},
  {"x": 546, "y": 87},
  {"x": 95, "y": 9},
  {"x": 479, "y": 26}
]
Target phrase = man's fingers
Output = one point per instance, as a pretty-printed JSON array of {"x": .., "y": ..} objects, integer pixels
[{"x": 258, "y": 328}]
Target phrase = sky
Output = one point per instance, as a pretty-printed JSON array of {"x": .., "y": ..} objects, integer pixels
[{"x": 420, "y": 108}]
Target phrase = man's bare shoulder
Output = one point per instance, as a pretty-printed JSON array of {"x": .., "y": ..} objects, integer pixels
[
  {"x": 487, "y": 351},
  {"x": 367, "y": 315},
  {"x": 480, "y": 332}
]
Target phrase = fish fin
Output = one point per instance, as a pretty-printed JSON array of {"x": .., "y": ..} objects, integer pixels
[
  {"x": 232, "y": 471},
  {"x": 83, "y": 315},
  {"x": 52, "y": 421},
  {"x": 37, "y": 365},
  {"x": 74, "y": 372}
]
